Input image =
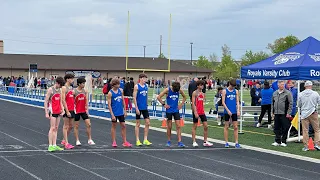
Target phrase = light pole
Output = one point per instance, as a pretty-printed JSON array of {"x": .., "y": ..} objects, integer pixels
[
  {"x": 144, "y": 51},
  {"x": 191, "y": 51}
]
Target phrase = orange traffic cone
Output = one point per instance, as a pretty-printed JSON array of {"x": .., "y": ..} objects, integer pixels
[
  {"x": 164, "y": 123},
  {"x": 311, "y": 145},
  {"x": 199, "y": 123},
  {"x": 181, "y": 122}
]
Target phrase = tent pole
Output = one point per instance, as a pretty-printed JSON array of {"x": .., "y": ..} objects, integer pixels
[
  {"x": 241, "y": 99},
  {"x": 299, "y": 133}
]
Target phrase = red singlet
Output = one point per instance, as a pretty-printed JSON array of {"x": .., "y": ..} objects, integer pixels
[
  {"x": 199, "y": 103},
  {"x": 80, "y": 101}
]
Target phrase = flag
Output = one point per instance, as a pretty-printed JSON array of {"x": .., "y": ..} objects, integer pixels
[{"x": 295, "y": 121}]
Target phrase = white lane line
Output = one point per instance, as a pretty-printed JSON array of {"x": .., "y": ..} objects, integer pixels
[
  {"x": 156, "y": 174},
  {"x": 21, "y": 168},
  {"x": 114, "y": 150},
  {"x": 278, "y": 153},
  {"x": 189, "y": 167},
  {"x": 249, "y": 169},
  {"x": 98, "y": 175}
]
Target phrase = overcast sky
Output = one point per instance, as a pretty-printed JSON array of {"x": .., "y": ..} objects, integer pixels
[{"x": 98, "y": 27}]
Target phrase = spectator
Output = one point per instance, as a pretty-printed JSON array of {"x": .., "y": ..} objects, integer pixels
[
  {"x": 255, "y": 94},
  {"x": 204, "y": 90},
  {"x": 281, "y": 107},
  {"x": 266, "y": 97},
  {"x": 192, "y": 87},
  {"x": 308, "y": 103}
]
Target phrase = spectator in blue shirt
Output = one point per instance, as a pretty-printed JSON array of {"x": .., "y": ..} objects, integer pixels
[
  {"x": 266, "y": 96},
  {"x": 294, "y": 92}
]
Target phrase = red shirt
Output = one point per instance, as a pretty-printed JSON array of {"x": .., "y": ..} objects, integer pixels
[
  {"x": 70, "y": 100},
  {"x": 55, "y": 101},
  {"x": 80, "y": 101},
  {"x": 199, "y": 104}
]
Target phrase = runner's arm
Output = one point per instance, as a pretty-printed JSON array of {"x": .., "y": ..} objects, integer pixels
[
  {"x": 63, "y": 98},
  {"x": 109, "y": 103},
  {"x": 87, "y": 101},
  {"x": 194, "y": 103},
  {"x": 184, "y": 97},
  {"x": 224, "y": 101},
  {"x": 135, "y": 91},
  {"x": 46, "y": 100},
  {"x": 159, "y": 98},
  {"x": 238, "y": 104}
]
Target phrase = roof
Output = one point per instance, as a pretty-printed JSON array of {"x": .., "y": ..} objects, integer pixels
[{"x": 100, "y": 63}]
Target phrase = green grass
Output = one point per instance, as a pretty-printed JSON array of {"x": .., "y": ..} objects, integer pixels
[{"x": 263, "y": 140}]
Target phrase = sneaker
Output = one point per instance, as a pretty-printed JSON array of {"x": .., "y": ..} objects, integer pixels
[
  {"x": 195, "y": 144},
  {"x": 283, "y": 144},
  {"x": 238, "y": 145},
  {"x": 138, "y": 143},
  {"x": 57, "y": 148},
  {"x": 68, "y": 146},
  {"x": 226, "y": 145},
  {"x": 51, "y": 149},
  {"x": 147, "y": 143},
  {"x": 317, "y": 147},
  {"x": 207, "y": 144},
  {"x": 63, "y": 142},
  {"x": 90, "y": 142},
  {"x": 275, "y": 144},
  {"x": 305, "y": 149},
  {"x": 269, "y": 126},
  {"x": 258, "y": 125},
  {"x": 168, "y": 144},
  {"x": 114, "y": 144},
  {"x": 78, "y": 143},
  {"x": 219, "y": 123},
  {"x": 181, "y": 145},
  {"x": 127, "y": 144}
]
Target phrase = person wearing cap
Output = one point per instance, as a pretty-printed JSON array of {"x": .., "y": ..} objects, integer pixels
[
  {"x": 308, "y": 103},
  {"x": 281, "y": 107}
]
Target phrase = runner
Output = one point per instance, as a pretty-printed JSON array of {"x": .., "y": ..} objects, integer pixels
[
  {"x": 117, "y": 110},
  {"x": 54, "y": 112},
  {"x": 67, "y": 96},
  {"x": 230, "y": 102},
  {"x": 140, "y": 99},
  {"x": 172, "y": 109},
  {"x": 198, "y": 113},
  {"x": 82, "y": 110}
]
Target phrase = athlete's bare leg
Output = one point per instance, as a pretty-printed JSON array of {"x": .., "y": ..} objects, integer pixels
[
  {"x": 76, "y": 130},
  {"x": 169, "y": 128},
  {"x": 205, "y": 131},
  {"x": 66, "y": 124},
  {"x": 225, "y": 131},
  {"x": 235, "y": 131},
  {"x": 194, "y": 129},
  {"x": 137, "y": 129},
  {"x": 178, "y": 129},
  {"x": 113, "y": 131},
  {"x": 123, "y": 131},
  {"x": 146, "y": 128},
  {"x": 88, "y": 125}
]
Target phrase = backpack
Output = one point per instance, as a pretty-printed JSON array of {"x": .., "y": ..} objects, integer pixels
[{"x": 105, "y": 89}]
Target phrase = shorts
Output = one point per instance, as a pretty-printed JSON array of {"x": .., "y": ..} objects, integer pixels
[
  {"x": 203, "y": 118},
  {"x": 176, "y": 116},
  {"x": 54, "y": 115},
  {"x": 234, "y": 117},
  {"x": 145, "y": 114},
  {"x": 72, "y": 114},
  {"x": 84, "y": 116},
  {"x": 120, "y": 118}
]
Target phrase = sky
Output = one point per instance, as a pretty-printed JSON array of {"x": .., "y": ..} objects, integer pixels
[{"x": 99, "y": 27}]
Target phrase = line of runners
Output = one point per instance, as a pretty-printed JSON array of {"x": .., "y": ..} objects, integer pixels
[{"x": 63, "y": 100}]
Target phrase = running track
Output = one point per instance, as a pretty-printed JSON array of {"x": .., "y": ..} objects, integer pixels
[{"x": 23, "y": 143}]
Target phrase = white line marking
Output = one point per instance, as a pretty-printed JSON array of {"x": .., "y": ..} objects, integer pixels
[
  {"x": 199, "y": 170},
  {"x": 56, "y": 157},
  {"x": 283, "y": 154},
  {"x": 159, "y": 175},
  {"x": 21, "y": 168},
  {"x": 222, "y": 162},
  {"x": 116, "y": 150},
  {"x": 112, "y": 168}
]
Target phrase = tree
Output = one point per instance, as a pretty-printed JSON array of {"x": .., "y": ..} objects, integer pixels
[
  {"x": 162, "y": 56},
  {"x": 227, "y": 68},
  {"x": 203, "y": 62},
  {"x": 283, "y": 44},
  {"x": 214, "y": 60},
  {"x": 251, "y": 57}
]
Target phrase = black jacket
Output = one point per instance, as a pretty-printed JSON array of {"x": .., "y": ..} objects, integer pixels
[{"x": 192, "y": 87}]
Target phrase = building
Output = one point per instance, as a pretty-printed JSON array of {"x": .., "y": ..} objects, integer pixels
[{"x": 100, "y": 66}]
